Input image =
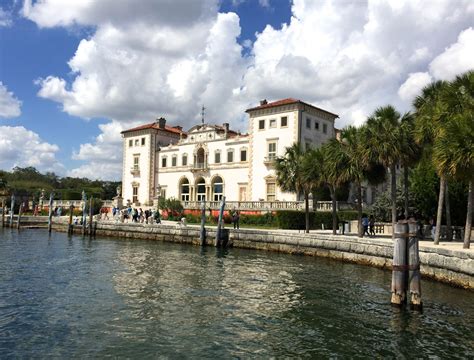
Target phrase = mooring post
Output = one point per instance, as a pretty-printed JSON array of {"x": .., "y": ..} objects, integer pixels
[
  {"x": 84, "y": 212},
  {"x": 414, "y": 277},
  {"x": 219, "y": 223},
  {"x": 90, "y": 216},
  {"x": 12, "y": 208},
  {"x": 19, "y": 216},
  {"x": 3, "y": 213},
  {"x": 69, "y": 228},
  {"x": 50, "y": 213},
  {"x": 399, "y": 265},
  {"x": 203, "y": 223}
]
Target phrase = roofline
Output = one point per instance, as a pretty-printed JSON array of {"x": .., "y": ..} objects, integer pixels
[{"x": 295, "y": 102}]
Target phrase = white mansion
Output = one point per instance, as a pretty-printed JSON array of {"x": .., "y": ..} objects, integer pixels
[{"x": 211, "y": 161}]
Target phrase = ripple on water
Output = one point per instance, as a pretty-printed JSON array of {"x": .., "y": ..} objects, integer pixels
[{"x": 71, "y": 297}]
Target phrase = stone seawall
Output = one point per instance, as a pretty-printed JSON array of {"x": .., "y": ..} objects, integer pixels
[{"x": 444, "y": 264}]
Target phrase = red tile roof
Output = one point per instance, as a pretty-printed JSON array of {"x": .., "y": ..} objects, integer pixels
[
  {"x": 154, "y": 125},
  {"x": 287, "y": 101}
]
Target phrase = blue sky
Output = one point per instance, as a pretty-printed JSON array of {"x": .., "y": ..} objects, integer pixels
[{"x": 74, "y": 74}]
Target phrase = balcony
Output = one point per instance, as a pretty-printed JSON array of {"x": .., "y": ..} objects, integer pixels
[
  {"x": 135, "y": 171},
  {"x": 199, "y": 166},
  {"x": 269, "y": 160}
]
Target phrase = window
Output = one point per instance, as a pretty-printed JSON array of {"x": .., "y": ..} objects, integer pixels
[
  {"x": 163, "y": 193},
  {"x": 143, "y": 141},
  {"x": 135, "y": 194},
  {"x": 325, "y": 128},
  {"x": 130, "y": 143},
  {"x": 261, "y": 124},
  {"x": 272, "y": 123},
  {"x": 174, "y": 160},
  {"x": 307, "y": 146},
  {"x": 217, "y": 157},
  {"x": 163, "y": 161},
  {"x": 136, "y": 162},
  {"x": 217, "y": 188},
  {"x": 272, "y": 146},
  {"x": 284, "y": 121},
  {"x": 316, "y": 125},
  {"x": 271, "y": 190},
  {"x": 184, "y": 160},
  {"x": 230, "y": 156},
  {"x": 136, "y": 142},
  {"x": 201, "y": 190},
  {"x": 243, "y": 155},
  {"x": 308, "y": 123},
  {"x": 184, "y": 189}
]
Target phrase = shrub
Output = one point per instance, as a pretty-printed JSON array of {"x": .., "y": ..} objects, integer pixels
[{"x": 346, "y": 215}]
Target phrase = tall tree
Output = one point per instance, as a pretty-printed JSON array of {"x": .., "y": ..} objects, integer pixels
[
  {"x": 453, "y": 150},
  {"x": 291, "y": 177},
  {"x": 430, "y": 115},
  {"x": 384, "y": 140}
]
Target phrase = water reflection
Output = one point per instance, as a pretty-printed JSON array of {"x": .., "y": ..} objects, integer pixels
[{"x": 75, "y": 297}]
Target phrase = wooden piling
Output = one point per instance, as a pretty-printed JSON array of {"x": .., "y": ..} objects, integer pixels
[
  {"x": 19, "y": 216},
  {"x": 3, "y": 213},
  {"x": 12, "y": 210},
  {"x": 50, "y": 212},
  {"x": 202, "y": 236},
  {"x": 90, "y": 216},
  {"x": 399, "y": 265},
  {"x": 413, "y": 259},
  {"x": 217, "y": 242},
  {"x": 84, "y": 213},
  {"x": 69, "y": 228}
]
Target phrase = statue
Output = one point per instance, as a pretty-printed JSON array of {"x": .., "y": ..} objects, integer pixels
[{"x": 119, "y": 190}]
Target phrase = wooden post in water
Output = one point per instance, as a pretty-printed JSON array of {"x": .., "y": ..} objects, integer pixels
[
  {"x": 50, "y": 212},
  {"x": 84, "y": 212},
  {"x": 399, "y": 265},
  {"x": 12, "y": 208},
  {"x": 19, "y": 216},
  {"x": 69, "y": 228},
  {"x": 203, "y": 223},
  {"x": 219, "y": 223},
  {"x": 90, "y": 216},
  {"x": 414, "y": 277},
  {"x": 3, "y": 213}
]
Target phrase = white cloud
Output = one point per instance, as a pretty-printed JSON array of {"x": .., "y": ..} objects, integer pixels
[
  {"x": 413, "y": 85},
  {"x": 5, "y": 17},
  {"x": 167, "y": 59},
  {"x": 458, "y": 58},
  {"x": 23, "y": 147},
  {"x": 9, "y": 104}
]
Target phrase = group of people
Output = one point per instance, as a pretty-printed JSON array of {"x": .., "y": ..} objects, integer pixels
[
  {"x": 136, "y": 215},
  {"x": 368, "y": 223}
]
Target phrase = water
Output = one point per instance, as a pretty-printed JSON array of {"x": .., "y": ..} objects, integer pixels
[{"x": 71, "y": 297}]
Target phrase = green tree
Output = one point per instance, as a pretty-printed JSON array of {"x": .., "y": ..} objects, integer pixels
[
  {"x": 292, "y": 177},
  {"x": 384, "y": 140},
  {"x": 453, "y": 150}
]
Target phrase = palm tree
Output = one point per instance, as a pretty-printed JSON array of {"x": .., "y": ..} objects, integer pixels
[
  {"x": 351, "y": 154},
  {"x": 385, "y": 146},
  {"x": 331, "y": 172},
  {"x": 453, "y": 152},
  {"x": 291, "y": 176},
  {"x": 430, "y": 114}
]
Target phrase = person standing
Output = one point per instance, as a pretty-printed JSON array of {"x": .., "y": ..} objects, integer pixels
[
  {"x": 365, "y": 224},
  {"x": 236, "y": 219},
  {"x": 372, "y": 225}
]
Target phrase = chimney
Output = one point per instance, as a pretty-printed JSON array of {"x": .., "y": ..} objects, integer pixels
[
  {"x": 161, "y": 122},
  {"x": 180, "y": 128},
  {"x": 263, "y": 102},
  {"x": 225, "y": 126}
]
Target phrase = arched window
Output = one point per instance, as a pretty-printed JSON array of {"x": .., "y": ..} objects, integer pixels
[
  {"x": 200, "y": 190},
  {"x": 217, "y": 188},
  {"x": 184, "y": 189}
]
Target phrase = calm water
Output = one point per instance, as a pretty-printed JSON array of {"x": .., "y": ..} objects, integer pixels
[{"x": 69, "y": 297}]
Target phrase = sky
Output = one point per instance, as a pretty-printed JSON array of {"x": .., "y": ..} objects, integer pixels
[{"x": 75, "y": 73}]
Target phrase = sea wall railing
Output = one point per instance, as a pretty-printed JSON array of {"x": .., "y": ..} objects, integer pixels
[{"x": 265, "y": 205}]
